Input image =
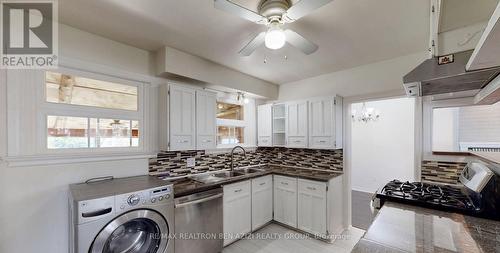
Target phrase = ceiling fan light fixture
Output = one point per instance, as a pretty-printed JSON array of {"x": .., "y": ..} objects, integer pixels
[{"x": 275, "y": 38}]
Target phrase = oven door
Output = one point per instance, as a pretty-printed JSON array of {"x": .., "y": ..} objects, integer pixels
[{"x": 137, "y": 231}]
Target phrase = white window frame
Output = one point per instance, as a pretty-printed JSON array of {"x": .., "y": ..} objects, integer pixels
[
  {"x": 69, "y": 110},
  {"x": 427, "y": 121},
  {"x": 245, "y": 123}
]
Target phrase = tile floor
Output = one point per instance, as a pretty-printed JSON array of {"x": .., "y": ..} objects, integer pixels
[{"x": 299, "y": 244}]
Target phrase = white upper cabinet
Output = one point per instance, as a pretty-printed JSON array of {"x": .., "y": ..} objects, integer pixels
[
  {"x": 182, "y": 118},
  {"x": 296, "y": 124},
  {"x": 206, "y": 104},
  {"x": 325, "y": 123},
  {"x": 264, "y": 125}
]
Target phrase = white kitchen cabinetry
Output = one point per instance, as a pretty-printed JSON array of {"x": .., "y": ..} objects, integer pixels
[
  {"x": 206, "y": 104},
  {"x": 237, "y": 202},
  {"x": 262, "y": 201},
  {"x": 182, "y": 118},
  {"x": 325, "y": 123},
  {"x": 285, "y": 200},
  {"x": 311, "y": 211},
  {"x": 296, "y": 124},
  {"x": 264, "y": 125}
]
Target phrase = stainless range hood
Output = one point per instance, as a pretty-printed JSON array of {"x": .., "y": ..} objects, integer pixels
[{"x": 431, "y": 78}]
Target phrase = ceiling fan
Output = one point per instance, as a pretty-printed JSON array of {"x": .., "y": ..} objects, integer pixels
[{"x": 275, "y": 14}]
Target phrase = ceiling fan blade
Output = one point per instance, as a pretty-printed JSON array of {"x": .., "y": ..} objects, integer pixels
[
  {"x": 230, "y": 7},
  {"x": 304, "y": 7},
  {"x": 300, "y": 42},
  {"x": 253, "y": 44}
]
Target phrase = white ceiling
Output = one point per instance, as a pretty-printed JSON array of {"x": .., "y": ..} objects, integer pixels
[{"x": 349, "y": 32}]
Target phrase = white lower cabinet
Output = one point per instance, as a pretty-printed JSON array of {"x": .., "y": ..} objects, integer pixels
[
  {"x": 311, "y": 209},
  {"x": 285, "y": 200},
  {"x": 237, "y": 210},
  {"x": 262, "y": 201}
]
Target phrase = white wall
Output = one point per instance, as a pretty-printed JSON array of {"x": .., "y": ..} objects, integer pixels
[
  {"x": 78, "y": 44},
  {"x": 383, "y": 150},
  {"x": 373, "y": 78},
  {"x": 445, "y": 129},
  {"x": 33, "y": 210}
]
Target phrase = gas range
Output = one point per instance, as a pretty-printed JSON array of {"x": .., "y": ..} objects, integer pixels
[
  {"x": 477, "y": 195},
  {"x": 443, "y": 197}
]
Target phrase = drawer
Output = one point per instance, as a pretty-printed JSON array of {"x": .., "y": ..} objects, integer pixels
[
  {"x": 312, "y": 187},
  {"x": 297, "y": 142},
  {"x": 236, "y": 190},
  {"x": 206, "y": 142},
  {"x": 321, "y": 142},
  {"x": 265, "y": 141},
  {"x": 261, "y": 183},
  {"x": 179, "y": 142},
  {"x": 288, "y": 183}
]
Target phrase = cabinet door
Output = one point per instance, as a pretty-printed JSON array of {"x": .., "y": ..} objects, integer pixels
[
  {"x": 182, "y": 118},
  {"x": 296, "y": 124},
  {"x": 237, "y": 210},
  {"x": 312, "y": 206},
  {"x": 264, "y": 125},
  {"x": 262, "y": 201},
  {"x": 206, "y": 104},
  {"x": 285, "y": 200},
  {"x": 321, "y": 123}
]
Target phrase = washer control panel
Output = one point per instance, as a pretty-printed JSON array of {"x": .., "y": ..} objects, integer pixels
[
  {"x": 160, "y": 194},
  {"x": 156, "y": 196}
]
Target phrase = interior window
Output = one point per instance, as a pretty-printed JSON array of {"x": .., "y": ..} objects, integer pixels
[
  {"x": 467, "y": 128},
  {"x": 229, "y": 111},
  {"x": 75, "y": 90},
  {"x": 230, "y": 135},
  {"x": 80, "y": 132}
]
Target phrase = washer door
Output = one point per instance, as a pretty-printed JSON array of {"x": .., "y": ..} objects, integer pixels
[{"x": 138, "y": 231}]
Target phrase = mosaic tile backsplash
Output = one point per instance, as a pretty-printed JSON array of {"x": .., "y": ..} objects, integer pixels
[
  {"x": 442, "y": 172},
  {"x": 173, "y": 163}
]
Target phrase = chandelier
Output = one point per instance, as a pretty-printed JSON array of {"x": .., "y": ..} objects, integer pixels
[{"x": 366, "y": 115}]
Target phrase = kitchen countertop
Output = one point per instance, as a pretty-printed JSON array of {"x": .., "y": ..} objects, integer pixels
[
  {"x": 186, "y": 186},
  {"x": 406, "y": 228},
  {"x": 489, "y": 156}
]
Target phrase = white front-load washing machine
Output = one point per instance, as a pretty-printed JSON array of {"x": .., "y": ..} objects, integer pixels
[{"x": 126, "y": 215}]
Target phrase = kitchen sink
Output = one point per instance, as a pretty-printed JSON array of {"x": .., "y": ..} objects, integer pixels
[
  {"x": 249, "y": 170},
  {"x": 227, "y": 174},
  {"x": 206, "y": 179}
]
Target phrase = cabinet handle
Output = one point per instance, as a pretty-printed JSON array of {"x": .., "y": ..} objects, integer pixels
[
  {"x": 237, "y": 190},
  {"x": 262, "y": 183},
  {"x": 264, "y": 141},
  {"x": 184, "y": 141},
  {"x": 311, "y": 188},
  {"x": 297, "y": 141},
  {"x": 207, "y": 141},
  {"x": 284, "y": 183},
  {"x": 321, "y": 141}
]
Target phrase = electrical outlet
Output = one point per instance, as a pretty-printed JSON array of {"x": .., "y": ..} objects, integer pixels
[
  {"x": 280, "y": 155},
  {"x": 190, "y": 162}
]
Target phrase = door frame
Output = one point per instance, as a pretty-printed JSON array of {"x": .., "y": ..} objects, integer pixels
[{"x": 348, "y": 101}]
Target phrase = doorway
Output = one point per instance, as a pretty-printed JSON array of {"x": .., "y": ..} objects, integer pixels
[{"x": 382, "y": 149}]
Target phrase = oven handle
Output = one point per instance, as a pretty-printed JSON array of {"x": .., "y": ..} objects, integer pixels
[{"x": 199, "y": 200}]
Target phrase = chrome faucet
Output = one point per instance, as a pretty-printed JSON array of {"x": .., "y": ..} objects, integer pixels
[{"x": 232, "y": 155}]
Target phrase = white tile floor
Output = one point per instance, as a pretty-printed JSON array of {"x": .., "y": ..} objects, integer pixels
[{"x": 301, "y": 245}]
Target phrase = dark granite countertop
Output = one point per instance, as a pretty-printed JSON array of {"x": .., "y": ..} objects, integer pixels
[
  {"x": 405, "y": 228},
  {"x": 186, "y": 186}
]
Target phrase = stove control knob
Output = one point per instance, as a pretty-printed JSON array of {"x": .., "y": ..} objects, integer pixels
[
  {"x": 133, "y": 200},
  {"x": 167, "y": 196},
  {"x": 153, "y": 200},
  {"x": 160, "y": 198}
]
